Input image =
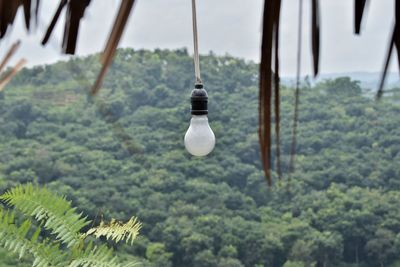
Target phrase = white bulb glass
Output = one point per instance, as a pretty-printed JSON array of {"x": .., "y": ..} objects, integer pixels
[{"x": 199, "y": 138}]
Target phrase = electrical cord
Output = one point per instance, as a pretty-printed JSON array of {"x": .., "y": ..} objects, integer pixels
[{"x": 196, "y": 45}]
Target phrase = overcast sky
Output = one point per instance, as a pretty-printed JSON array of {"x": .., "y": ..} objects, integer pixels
[{"x": 225, "y": 26}]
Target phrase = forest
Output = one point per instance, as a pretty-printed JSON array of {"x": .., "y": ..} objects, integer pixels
[{"x": 120, "y": 154}]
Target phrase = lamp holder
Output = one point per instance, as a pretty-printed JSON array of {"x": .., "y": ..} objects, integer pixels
[{"x": 199, "y": 100}]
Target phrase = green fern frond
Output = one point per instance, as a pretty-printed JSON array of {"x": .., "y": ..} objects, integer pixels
[
  {"x": 117, "y": 230},
  {"x": 16, "y": 240},
  {"x": 95, "y": 257},
  {"x": 54, "y": 211}
]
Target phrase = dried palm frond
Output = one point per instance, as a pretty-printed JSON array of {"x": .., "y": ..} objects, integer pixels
[
  {"x": 75, "y": 11},
  {"x": 394, "y": 42},
  {"x": 14, "y": 47},
  {"x": 277, "y": 91},
  {"x": 358, "y": 14},
  {"x": 11, "y": 73},
  {"x": 396, "y": 34},
  {"x": 8, "y": 12},
  {"x": 74, "y": 14},
  {"x": 113, "y": 40},
  {"x": 315, "y": 36},
  {"x": 53, "y": 22},
  {"x": 265, "y": 92},
  {"x": 386, "y": 66}
]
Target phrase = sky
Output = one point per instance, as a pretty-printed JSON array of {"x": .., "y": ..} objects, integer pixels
[{"x": 225, "y": 27}]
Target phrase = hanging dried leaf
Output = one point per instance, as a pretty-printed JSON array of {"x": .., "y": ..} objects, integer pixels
[
  {"x": 74, "y": 14},
  {"x": 8, "y": 11},
  {"x": 27, "y": 12},
  {"x": 75, "y": 11},
  {"x": 396, "y": 34},
  {"x": 297, "y": 92},
  {"x": 359, "y": 12},
  {"x": 9, "y": 54},
  {"x": 386, "y": 66},
  {"x": 7, "y": 78},
  {"x": 265, "y": 93},
  {"x": 113, "y": 40},
  {"x": 53, "y": 22},
  {"x": 277, "y": 91},
  {"x": 315, "y": 28},
  {"x": 394, "y": 41},
  {"x": 37, "y": 6}
]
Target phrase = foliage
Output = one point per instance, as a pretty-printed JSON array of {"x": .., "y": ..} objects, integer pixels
[
  {"x": 55, "y": 213},
  {"x": 122, "y": 153},
  {"x": 117, "y": 231},
  {"x": 15, "y": 239}
]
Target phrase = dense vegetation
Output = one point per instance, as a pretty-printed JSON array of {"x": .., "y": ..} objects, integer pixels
[
  {"x": 122, "y": 154},
  {"x": 52, "y": 232}
]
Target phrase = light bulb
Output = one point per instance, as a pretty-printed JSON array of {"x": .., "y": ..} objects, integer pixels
[{"x": 199, "y": 138}]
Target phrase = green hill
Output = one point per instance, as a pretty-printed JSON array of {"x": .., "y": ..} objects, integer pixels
[{"x": 122, "y": 154}]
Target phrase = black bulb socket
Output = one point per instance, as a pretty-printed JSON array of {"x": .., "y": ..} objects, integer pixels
[{"x": 199, "y": 100}]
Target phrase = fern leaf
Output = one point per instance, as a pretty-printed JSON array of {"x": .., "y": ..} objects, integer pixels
[
  {"x": 15, "y": 239},
  {"x": 54, "y": 211},
  {"x": 117, "y": 230},
  {"x": 95, "y": 257}
]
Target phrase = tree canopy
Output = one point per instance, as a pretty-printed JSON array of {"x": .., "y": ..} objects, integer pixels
[{"x": 122, "y": 153}]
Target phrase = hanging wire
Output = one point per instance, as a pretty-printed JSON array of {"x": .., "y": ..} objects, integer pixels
[{"x": 196, "y": 44}]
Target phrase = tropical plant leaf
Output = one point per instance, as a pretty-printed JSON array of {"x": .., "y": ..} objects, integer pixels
[
  {"x": 95, "y": 256},
  {"x": 117, "y": 231},
  {"x": 15, "y": 239},
  {"x": 56, "y": 214},
  {"x": 54, "y": 211}
]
